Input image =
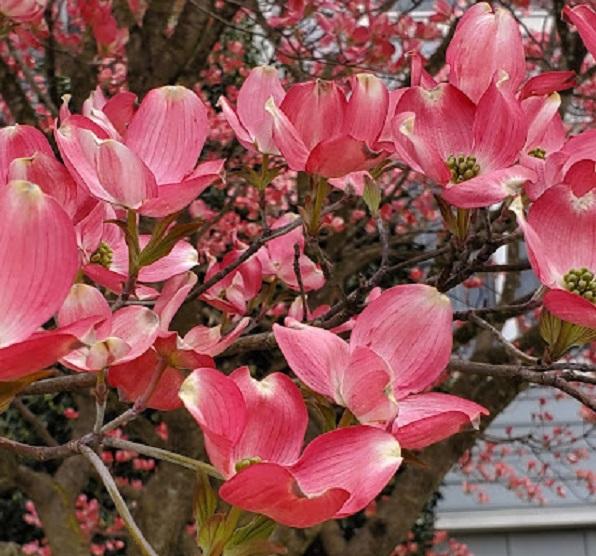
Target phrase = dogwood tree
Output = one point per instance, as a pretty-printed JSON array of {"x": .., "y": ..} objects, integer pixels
[{"x": 234, "y": 243}]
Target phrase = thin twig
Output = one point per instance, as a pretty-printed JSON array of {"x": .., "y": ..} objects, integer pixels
[
  {"x": 509, "y": 347},
  {"x": 298, "y": 274},
  {"x": 39, "y": 453},
  {"x": 108, "y": 481},
  {"x": 249, "y": 252},
  {"x": 329, "y": 318},
  {"x": 512, "y": 267},
  {"x": 501, "y": 311}
]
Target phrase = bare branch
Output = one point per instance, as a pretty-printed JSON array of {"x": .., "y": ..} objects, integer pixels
[
  {"x": 70, "y": 383},
  {"x": 39, "y": 453},
  {"x": 509, "y": 347},
  {"x": 121, "y": 507},
  {"x": 545, "y": 376}
]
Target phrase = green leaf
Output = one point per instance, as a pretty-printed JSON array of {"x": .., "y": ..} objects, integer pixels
[
  {"x": 158, "y": 233},
  {"x": 162, "y": 247},
  {"x": 372, "y": 196},
  {"x": 210, "y": 537},
  {"x": 561, "y": 336},
  {"x": 217, "y": 531},
  {"x": 162, "y": 227},
  {"x": 549, "y": 327},
  {"x": 303, "y": 186},
  {"x": 252, "y": 539},
  {"x": 231, "y": 522},
  {"x": 131, "y": 238},
  {"x": 260, "y": 527},
  {"x": 205, "y": 500},
  {"x": 251, "y": 177}
]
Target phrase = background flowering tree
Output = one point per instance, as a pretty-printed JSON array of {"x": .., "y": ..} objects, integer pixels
[{"x": 241, "y": 245}]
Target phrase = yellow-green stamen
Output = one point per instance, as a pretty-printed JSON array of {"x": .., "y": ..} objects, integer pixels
[
  {"x": 463, "y": 168},
  {"x": 582, "y": 282},
  {"x": 538, "y": 153},
  {"x": 103, "y": 255}
]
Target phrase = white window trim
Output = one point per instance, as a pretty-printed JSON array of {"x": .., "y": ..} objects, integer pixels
[{"x": 517, "y": 519}]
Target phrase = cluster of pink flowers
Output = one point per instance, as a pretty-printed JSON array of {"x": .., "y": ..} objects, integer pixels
[
  {"x": 70, "y": 240},
  {"x": 88, "y": 516},
  {"x": 441, "y": 545}
]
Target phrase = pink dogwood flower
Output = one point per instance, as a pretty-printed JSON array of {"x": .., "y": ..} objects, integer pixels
[
  {"x": 26, "y": 154},
  {"x": 469, "y": 149},
  {"x": 485, "y": 43},
  {"x": 39, "y": 262},
  {"x": 105, "y": 254},
  {"x": 560, "y": 233},
  {"x": 277, "y": 258},
  {"x": 318, "y": 131},
  {"x": 115, "y": 338},
  {"x": 53, "y": 178},
  {"x": 233, "y": 292},
  {"x": 561, "y": 163},
  {"x": 546, "y": 135},
  {"x": 251, "y": 123},
  {"x": 547, "y": 83},
  {"x": 144, "y": 169},
  {"x": 399, "y": 347},
  {"x": 583, "y": 17},
  {"x": 17, "y": 141},
  {"x": 164, "y": 366},
  {"x": 254, "y": 431}
]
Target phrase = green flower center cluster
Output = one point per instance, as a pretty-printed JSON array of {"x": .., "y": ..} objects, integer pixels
[
  {"x": 538, "y": 153},
  {"x": 247, "y": 462},
  {"x": 103, "y": 255},
  {"x": 582, "y": 282},
  {"x": 463, "y": 168}
]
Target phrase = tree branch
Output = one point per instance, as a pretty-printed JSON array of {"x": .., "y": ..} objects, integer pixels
[
  {"x": 70, "y": 383},
  {"x": 108, "y": 481}
]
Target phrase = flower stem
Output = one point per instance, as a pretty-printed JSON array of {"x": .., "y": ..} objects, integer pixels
[
  {"x": 164, "y": 455},
  {"x": 101, "y": 396}
]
